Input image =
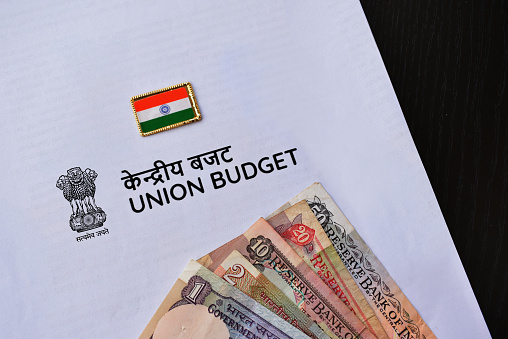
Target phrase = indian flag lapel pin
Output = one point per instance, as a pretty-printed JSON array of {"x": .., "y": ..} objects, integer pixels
[{"x": 165, "y": 109}]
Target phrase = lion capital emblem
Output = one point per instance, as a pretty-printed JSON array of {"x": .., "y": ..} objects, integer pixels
[{"x": 79, "y": 189}]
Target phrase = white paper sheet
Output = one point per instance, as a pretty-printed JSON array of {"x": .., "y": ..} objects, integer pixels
[{"x": 268, "y": 77}]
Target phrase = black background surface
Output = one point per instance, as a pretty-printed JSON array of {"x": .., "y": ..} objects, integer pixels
[{"x": 448, "y": 63}]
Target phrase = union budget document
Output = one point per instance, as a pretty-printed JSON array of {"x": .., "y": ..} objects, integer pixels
[{"x": 98, "y": 222}]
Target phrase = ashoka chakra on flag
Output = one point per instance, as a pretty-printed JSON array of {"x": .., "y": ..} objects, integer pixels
[{"x": 166, "y": 108}]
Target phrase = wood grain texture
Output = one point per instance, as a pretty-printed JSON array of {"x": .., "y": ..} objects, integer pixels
[{"x": 448, "y": 62}]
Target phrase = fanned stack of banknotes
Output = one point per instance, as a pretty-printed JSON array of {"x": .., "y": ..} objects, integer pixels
[{"x": 302, "y": 272}]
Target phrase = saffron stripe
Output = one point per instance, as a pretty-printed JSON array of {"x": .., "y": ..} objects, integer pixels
[
  {"x": 160, "y": 99},
  {"x": 152, "y": 125}
]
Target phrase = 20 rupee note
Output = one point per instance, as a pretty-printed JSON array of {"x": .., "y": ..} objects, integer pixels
[
  {"x": 395, "y": 312},
  {"x": 303, "y": 232}
]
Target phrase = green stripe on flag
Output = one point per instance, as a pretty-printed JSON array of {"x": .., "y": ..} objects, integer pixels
[{"x": 166, "y": 120}]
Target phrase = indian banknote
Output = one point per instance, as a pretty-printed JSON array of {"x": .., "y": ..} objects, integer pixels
[
  {"x": 392, "y": 308},
  {"x": 269, "y": 253},
  {"x": 239, "y": 272},
  {"x": 303, "y": 232},
  {"x": 202, "y": 305}
]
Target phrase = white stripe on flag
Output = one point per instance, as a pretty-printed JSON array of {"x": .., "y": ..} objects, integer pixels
[{"x": 152, "y": 113}]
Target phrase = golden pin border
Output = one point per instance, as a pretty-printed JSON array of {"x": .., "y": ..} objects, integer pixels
[{"x": 194, "y": 104}]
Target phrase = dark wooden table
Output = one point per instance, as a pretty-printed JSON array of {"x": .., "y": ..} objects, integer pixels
[{"x": 448, "y": 62}]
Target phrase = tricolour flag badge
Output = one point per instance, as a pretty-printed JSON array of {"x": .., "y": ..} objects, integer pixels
[{"x": 166, "y": 108}]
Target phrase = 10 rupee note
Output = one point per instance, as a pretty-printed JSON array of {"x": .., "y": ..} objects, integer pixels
[{"x": 268, "y": 252}]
